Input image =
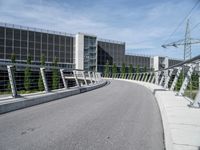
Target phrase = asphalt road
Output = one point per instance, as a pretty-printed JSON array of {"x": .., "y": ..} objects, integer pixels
[{"x": 119, "y": 116}]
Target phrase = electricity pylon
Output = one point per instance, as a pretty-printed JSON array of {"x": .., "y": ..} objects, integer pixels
[{"x": 186, "y": 42}]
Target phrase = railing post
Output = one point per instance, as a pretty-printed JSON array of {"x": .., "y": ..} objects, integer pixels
[
  {"x": 76, "y": 78},
  {"x": 93, "y": 74},
  {"x": 143, "y": 77},
  {"x": 162, "y": 78},
  {"x": 167, "y": 79},
  {"x": 157, "y": 75},
  {"x": 63, "y": 78},
  {"x": 186, "y": 80},
  {"x": 42, "y": 71},
  {"x": 89, "y": 74},
  {"x": 11, "y": 77},
  {"x": 84, "y": 78},
  {"x": 150, "y": 76},
  {"x": 179, "y": 69},
  {"x": 134, "y": 76},
  {"x": 153, "y": 80},
  {"x": 197, "y": 100},
  {"x": 146, "y": 77}
]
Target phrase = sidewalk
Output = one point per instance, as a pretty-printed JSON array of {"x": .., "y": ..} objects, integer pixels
[{"x": 181, "y": 123}]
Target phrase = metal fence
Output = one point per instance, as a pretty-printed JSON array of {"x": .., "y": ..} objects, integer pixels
[
  {"x": 19, "y": 79},
  {"x": 183, "y": 78}
]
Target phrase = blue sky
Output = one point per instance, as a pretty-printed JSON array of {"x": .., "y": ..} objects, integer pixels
[{"x": 143, "y": 24}]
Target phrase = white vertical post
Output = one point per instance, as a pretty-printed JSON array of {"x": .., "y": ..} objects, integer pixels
[
  {"x": 76, "y": 78},
  {"x": 94, "y": 78},
  {"x": 84, "y": 78},
  {"x": 63, "y": 78},
  {"x": 186, "y": 80},
  {"x": 11, "y": 77},
  {"x": 168, "y": 78},
  {"x": 179, "y": 69},
  {"x": 89, "y": 74},
  {"x": 42, "y": 71}
]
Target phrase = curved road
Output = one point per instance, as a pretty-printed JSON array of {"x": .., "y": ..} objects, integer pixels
[{"x": 119, "y": 116}]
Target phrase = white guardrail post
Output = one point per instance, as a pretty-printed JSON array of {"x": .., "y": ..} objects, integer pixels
[
  {"x": 42, "y": 71},
  {"x": 167, "y": 79},
  {"x": 89, "y": 74},
  {"x": 179, "y": 69},
  {"x": 84, "y": 78},
  {"x": 11, "y": 77},
  {"x": 187, "y": 79},
  {"x": 76, "y": 78},
  {"x": 63, "y": 78}
]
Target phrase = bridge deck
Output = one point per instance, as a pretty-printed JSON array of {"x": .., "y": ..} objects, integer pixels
[{"x": 120, "y": 115}]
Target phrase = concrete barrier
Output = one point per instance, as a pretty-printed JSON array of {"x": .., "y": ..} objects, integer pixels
[{"x": 35, "y": 99}]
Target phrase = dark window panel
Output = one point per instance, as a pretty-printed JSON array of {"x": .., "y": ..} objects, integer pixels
[
  {"x": 23, "y": 44},
  {"x": 44, "y": 38},
  {"x": 2, "y": 42},
  {"x": 23, "y": 54},
  {"x": 16, "y": 43},
  {"x": 37, "y": 45},
  {"x": 31, "y": 36},
  {"x": 56, "y": 48},
  {"x": 16, "y": 34},
  {"x": 1, "y": 52},
  {"x": 2, "y": 32},
  {"x": 17, "y": 53},
  {"x": 31, "y": 45},
  {"x": 62, "y": 40},
  {"x": 56, "y": 40},
  {"x": 44, "y": 46},
  {"x": 50, "y": 39},
  {"x": 67, "y": 41},
  {"x": 9, "y": 33},
  {"x": 50, "y": 56},
  {"x": 8, "y": 43},
  {"x": 37, "y": 37},
  {"x": 50, "y": 47},
  {"x": 23, "y": 35},
  {"x": 31, "y": 53},
  {"x": 8, "y": 52}
]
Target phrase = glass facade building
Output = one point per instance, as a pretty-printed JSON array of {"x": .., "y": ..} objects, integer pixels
[
  {"x": 80, "y": 51},
  {"x": 24, "y": 42}
]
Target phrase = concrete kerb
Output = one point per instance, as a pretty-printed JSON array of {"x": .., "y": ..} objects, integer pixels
[{"x": 35, "y": 99}]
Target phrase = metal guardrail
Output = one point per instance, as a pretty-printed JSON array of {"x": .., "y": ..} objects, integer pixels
[
  {"x": 18, "y": 79},
  {"x": 184, "y": 78}
]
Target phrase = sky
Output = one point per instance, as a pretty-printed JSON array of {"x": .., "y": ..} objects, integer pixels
[{"x": 143, "y": 24}]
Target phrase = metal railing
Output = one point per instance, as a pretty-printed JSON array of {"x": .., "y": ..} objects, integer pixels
[
  {"x": 17, "y": 79},
  {"x": 183, "y": 78}
]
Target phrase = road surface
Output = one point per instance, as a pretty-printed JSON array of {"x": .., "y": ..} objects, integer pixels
[{"x": 119, "y": 116}]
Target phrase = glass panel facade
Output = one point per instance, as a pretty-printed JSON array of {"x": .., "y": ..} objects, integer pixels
[
  {"x": 24, "y": 43},
  {"x": 90, "y": 53}
]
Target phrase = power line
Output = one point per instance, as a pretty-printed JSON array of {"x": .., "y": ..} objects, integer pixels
[{"x": 189, "y": 13}]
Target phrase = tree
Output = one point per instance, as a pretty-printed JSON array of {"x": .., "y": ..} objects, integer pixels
[
  {"x": 13, "y": 58},
  {"x": 40, "y": 81},
  {"x": 123, "y": 71},
  {"x": 27, "y": 75},
  {"x": 114, "y": 69},
  {"x": 106, "y": 69},
  {"x": 130, "y": 70},
  {"x": 137, "y": 71},
  {"x": 55, "y": 76}
]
